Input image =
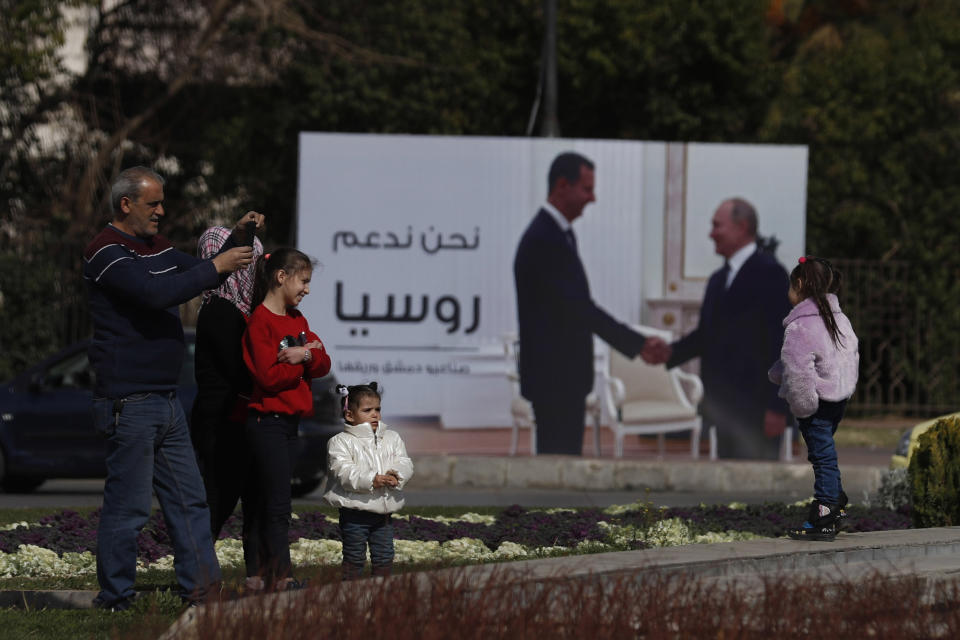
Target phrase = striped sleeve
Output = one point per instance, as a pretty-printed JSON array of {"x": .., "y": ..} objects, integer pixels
[{"x": 161, "y": 284}]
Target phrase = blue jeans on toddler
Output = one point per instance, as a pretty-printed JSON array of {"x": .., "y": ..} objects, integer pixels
[
  {"x": 817, "y": 431},
  {"x": 148, "y": 447},
  {"x": 357, "y": 529}
]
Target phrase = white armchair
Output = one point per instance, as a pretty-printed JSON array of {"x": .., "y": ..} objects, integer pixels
[
  {"x": 646, "y": 399},
  {"x": 522, "y": 411}
]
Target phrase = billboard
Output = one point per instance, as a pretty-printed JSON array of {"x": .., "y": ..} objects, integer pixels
[{"x": 415, "y": 236}]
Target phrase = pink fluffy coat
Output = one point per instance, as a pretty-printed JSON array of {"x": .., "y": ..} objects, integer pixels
[{"x": 811, "y": 366}]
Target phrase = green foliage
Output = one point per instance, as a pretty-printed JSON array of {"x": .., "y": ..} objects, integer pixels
[
  {"x": 873, "y": 88},
  {"x": 28, "y": 329},
  {"x": 934, "y": 474}
]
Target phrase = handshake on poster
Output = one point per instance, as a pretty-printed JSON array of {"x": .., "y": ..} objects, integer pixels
[{"x": 655, "y": 351}]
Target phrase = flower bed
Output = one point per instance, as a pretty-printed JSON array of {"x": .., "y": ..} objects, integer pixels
[{"x": 63, "y": 544}]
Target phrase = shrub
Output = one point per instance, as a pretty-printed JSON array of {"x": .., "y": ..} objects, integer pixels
[
  {"x": 894, "y": 491},
  {"x": 934, "y": 473}
]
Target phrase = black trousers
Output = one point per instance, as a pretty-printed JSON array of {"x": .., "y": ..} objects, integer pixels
[
  {"x": 273, "y": 441},
  {"x": 560, "y": 424},
  {"x": 220, "y": 442}
]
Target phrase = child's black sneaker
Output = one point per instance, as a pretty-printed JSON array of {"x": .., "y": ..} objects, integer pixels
[
  {"x": 821, "y": 524},
  {"x": 841, "y": 510}
]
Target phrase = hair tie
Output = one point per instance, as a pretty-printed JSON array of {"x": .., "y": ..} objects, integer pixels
[
  {"x": 343, "y": 391},
  {"x": 266, "y": 256},
  {"x": 803, "y": 259}
]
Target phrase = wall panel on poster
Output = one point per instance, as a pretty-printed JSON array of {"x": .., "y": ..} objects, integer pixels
[{"x": 416, "y": 235}]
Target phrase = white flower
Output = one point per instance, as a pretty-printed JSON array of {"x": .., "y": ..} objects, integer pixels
[
  {"x": 668, "y": 533},
  {"x": 639, "y": 505},
  {"x": 229, "y": 552},
  {"x": 593, "y": 546},
  {"x": 472, "y": 518},
  {"x": 325, "y": 552},
  {"x": 411, "y": 551},
  {"x": 164, "y": 563},
  {"x": 510, "y": 550},
  {"x": 725, "y": 536},
  {"x": 33, "y": 561},
  {"x": 464, "y": 549}
]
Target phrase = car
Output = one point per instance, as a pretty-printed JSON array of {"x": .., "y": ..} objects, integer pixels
[
  {"x": 909, "y": 440},
  {"x": 46, "y": 423}
]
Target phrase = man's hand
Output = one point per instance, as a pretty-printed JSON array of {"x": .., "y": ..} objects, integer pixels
[
  {"x": 655, "y": 351},
  {"x": 774, "y": 424},
  {"x": 240, "y": 230},
  {"x": 233, "y": 259}
]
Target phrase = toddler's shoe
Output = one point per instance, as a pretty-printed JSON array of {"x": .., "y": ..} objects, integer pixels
[
  {"x": 841, "y": 510},
  {"x": 821, "y": 524}
]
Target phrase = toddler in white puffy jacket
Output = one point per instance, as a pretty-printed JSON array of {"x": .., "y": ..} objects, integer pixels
[{"x": 367, "y": 467}]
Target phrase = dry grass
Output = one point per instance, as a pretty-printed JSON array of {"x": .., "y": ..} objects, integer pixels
[{"x": 456, "y": 604}]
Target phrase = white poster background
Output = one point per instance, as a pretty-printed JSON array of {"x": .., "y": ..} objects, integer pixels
[
  {"x": 416, "y": 235},
  {"x": 433, "y": 223}
]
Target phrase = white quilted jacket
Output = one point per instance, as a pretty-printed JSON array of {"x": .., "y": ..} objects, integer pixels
[{"x": 354, "y": 457}]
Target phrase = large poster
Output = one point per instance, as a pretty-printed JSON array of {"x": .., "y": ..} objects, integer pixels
[{"x": 415, "y": 238}]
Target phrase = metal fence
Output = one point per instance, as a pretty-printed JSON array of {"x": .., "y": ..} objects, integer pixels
[{"x": 908, "y": 357}]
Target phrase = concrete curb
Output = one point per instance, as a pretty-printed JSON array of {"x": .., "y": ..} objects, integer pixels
[
  {"x": 562, "y": 472},
  {"x": 708, "y": 561}
]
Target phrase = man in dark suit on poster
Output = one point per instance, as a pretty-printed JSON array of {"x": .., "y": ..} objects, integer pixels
[
  {"x": 738, "y": 338},
  {"x": 557, "y": 316}
]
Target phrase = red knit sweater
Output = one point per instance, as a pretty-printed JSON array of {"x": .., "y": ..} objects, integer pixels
[{"x": 279, "y": 387}]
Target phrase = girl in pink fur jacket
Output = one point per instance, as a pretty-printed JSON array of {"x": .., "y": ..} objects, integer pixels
[{"x": 817, "y": 373}]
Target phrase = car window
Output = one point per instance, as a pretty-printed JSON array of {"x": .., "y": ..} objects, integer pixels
[{"x": 72, "y": 372}]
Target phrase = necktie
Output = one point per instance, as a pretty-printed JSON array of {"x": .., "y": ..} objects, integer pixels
[
  {"x": 572, "y": 239},
  {"x": 726, "y": 275}
]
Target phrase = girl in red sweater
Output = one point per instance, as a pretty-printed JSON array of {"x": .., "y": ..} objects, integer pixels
[{"x": 282, "y": 355}]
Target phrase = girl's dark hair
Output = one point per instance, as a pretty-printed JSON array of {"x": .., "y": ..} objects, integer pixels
[
  {"x": 814, "y": 278},
  {"x": 354, "y": 394},
  {"x": 285, "y": 259}
]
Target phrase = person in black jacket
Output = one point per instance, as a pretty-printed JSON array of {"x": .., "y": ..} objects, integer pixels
[
  {"x": 557, "y": 317},
  {"x": 738, "y": 338},
  {"x": 218, "y": 418}
]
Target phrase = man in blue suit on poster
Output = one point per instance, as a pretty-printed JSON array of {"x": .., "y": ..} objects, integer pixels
[
  {"x": 738, "y": 338},
  {"x": 557, "y": 316}
]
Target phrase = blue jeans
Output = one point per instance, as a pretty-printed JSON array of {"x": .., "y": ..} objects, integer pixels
[
  {"x": 357, "y": 529},
  {"x": 149, "y": 447},
  {"x": 817, "y": 432}
]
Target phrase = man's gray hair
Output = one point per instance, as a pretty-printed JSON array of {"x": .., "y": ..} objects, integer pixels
[
  {"x": 743, "y": 210},
  {"x": 129, "y": 184}
]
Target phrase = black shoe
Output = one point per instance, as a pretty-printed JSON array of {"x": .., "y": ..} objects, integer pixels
[
  {"x": 293, "y": 585},
  {"x": 120, "y": 604},
  {"x": 841, "y": 510},
  {"x": 821, "y": 524}
]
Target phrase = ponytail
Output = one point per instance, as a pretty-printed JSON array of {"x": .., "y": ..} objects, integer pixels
[{"x": 815, "y": 278}]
